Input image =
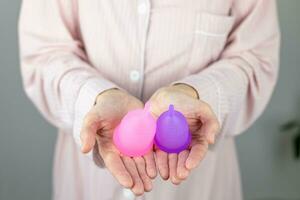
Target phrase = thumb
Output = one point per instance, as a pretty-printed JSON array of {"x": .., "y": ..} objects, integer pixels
[
  {"x": 88, "y": 132},
  {"x": 88, "y": 141},
  {"x": 153, "y": 107},
  {"x": 210, "y": 126}
]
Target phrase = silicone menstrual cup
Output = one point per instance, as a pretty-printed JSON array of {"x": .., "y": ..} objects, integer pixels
[
  {"x": 134, "y": 135},
  {"x": 172, "y": 131}
]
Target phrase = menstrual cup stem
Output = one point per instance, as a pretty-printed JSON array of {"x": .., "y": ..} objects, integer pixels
[{"x": 171, "y": 109}]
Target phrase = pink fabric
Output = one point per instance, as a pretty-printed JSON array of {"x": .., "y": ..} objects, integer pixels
[{"x": 73, "y": 50}]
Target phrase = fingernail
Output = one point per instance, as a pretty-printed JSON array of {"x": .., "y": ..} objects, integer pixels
[
  {"x": 152, "y": 174},
  {"x": 165, "y": 177},
  {"x": 183, "y": 174},
  {"x": 83, "y": 149},
  {"x": 175, "y": 181},
  {"x": 148, "y": 188},
  {"x": 212, "y": 138},
  {"x": 127, "y": 183},
  {"x": 189, "y": 165},
  {"x": 138, "y": 192}
]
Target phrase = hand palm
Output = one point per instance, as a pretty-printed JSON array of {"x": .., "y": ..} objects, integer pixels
[
  {"x": 203, "y": 129},
  {"x": 110, "y": 108}
]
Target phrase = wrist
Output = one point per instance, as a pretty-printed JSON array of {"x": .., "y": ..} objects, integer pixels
[
  {"x": 111, "y": 91},
  {"x": 187, "y": 89}
]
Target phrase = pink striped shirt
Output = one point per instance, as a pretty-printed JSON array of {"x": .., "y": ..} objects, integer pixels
[{"x": 73, "y": 50}]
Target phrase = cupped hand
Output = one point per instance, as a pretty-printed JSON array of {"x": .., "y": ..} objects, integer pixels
[
  {"x": 98, "y": 127},
  {"x": 203, "y": 126}
]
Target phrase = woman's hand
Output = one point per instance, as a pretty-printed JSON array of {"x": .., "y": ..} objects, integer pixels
[
  {"x": 99, "y": 124},
  {"x": 203, "y": 126}
]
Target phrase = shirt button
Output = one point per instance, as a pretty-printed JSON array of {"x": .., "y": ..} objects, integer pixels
[
  {"x": 142, "y": 9},
  {"x": 134, "y": 75}
]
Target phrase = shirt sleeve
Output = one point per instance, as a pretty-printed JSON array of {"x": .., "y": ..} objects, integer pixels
[
  {"x": 56, "y": 73},
  {"x": 239, "y": 85}
]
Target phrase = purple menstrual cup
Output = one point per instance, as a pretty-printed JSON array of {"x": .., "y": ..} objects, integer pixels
[{"x": 172, "y": 131}]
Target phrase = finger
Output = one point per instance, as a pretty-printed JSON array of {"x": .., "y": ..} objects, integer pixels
[
  {"x": 210, "y": 125},
  {"x": 162, "y": 164},
  {"x": 115, "y": 165},
  {"x": 150, "y": 165},
  {"x": 91, "y": 124},
  {"x": 197, "y": 153},
  {"x": 173, "y": 168},
  {"x": 182, "y": 171},
  {"x": 141, "y": 167},
  {"x": 138, "y": 186}
]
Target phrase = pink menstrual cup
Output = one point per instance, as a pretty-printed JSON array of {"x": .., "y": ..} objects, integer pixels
[
  {"x": 134, "y": 135},
  {"x": 172, "y": 131}
]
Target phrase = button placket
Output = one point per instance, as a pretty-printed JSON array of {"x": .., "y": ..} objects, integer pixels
[{"x": 143, "y": 10}]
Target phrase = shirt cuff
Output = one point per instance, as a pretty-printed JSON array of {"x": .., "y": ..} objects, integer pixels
[{"x": 85, "y": 101}]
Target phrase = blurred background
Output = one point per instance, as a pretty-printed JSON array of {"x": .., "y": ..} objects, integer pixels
[{"x": 269, "y": 168}]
